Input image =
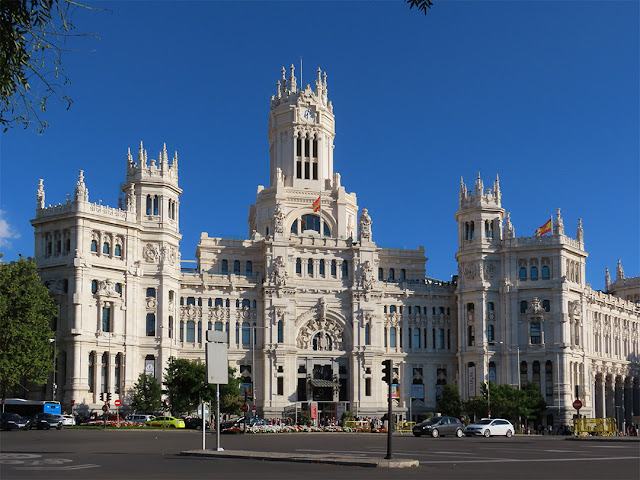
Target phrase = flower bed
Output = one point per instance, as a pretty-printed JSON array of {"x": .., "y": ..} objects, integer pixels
[{"x": 113, "y": 423}]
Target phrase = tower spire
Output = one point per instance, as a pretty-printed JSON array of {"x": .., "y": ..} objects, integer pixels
[{"x": 607, "y": 280}]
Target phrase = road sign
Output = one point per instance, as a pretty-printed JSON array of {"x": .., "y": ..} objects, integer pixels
[
  {"x": 117, "y": 403},
  {"x": 206, "y": 410},
  {"x": 577, "y": 404},
  {"x": 245, "y": 407},
  {"x": 105, "y": 408},
  {"x": 253, "y": 408}
]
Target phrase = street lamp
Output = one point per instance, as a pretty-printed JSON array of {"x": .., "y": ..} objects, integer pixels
[{"x": 54, "y": 386}]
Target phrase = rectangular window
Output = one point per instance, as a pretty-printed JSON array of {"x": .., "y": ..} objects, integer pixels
[
  {"x": 307, "y": 173},
  {"x": 299, "y": 147},
  {"x": 106, "y": 319},
  {"x": 170, "y": 327},
  {"x": 91, "y": 373},
  {"x": 367, "y": 387},
  {"x": 490, "y": 337},
  {"x": 299, "y": 169},
  {"x": 535, "y": 333},
  {"x": 246, "y": 337},
  {"x": 315, "y": 170},
  {"x": 151, "y": 292},
  {"x": 441, "y": 338},
  {"x": 191, "y": 331},
  {"x": 151, "y": 324},
  {"x": 392, "y": 337},
  {"x": 280, "y": 386}
]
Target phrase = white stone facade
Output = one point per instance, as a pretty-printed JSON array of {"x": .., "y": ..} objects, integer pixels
[{"x": 312, "y": 306}]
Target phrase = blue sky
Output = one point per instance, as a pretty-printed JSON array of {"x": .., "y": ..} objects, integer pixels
[{"x": 543, "y": 93}]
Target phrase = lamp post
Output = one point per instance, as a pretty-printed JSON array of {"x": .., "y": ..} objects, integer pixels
[{"x": 54, "y": 386}]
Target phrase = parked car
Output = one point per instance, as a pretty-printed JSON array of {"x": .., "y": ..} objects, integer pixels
[
  {"x": 439, "y": 427},
  {"x": 166, "y": 422},
  {"x": 139, "y": 418},
  {"x": 238, "y": 425},
  {"x": 45, "y": 421},
  {"x": 12, "y": 421},
  {"x": 490, "y": 426},
  {"x": 68, "y": 420},
  {"x": 196, "y": 423}
]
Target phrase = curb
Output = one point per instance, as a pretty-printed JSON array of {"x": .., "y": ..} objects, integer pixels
[{"x": 324, "y": 459}]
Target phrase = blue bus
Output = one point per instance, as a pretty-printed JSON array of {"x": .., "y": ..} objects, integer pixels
[{"x": 28, "y": 408}]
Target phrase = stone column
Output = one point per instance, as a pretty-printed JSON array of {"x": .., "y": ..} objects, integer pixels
[{"x": 609, "y": 397}]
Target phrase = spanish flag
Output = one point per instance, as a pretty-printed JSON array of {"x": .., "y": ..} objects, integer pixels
[
  {"x": 316, "y": 205},
  {"x": 546, "y": 228}
]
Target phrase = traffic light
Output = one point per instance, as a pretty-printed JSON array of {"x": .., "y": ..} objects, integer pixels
[
  {"x": 108, "y": 396},
  {"x": 387, "y": 371},
  {"x": 102, "y": 397}
]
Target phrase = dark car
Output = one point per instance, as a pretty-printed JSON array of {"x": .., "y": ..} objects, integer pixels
[
  {"x": 195, "y": 423},
  {"x": 439, "y": 427},
  {"x": 45, "y": 421},
  {"x": 12, "y": 421},
  {"x": 239, "y": 424}
]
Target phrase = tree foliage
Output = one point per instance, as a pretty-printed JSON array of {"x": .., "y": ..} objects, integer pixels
[
  {"x": 508, "y": 402},
  {"x": 27, "y": 312},
  {"x": 421, "y": 5},
  {"x": 186, "y": 384},
  {"x": 450, "y": 404},
  {"x": 147, "y": 394},
  {"x": 32, "y": 37}
]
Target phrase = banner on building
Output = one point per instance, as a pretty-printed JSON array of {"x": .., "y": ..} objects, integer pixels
[
  {"x": 417, "y": 391},
  {"x": 472, "y": 380}
]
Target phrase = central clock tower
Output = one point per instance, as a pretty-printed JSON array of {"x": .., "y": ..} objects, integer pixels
[{"x": 301, "y": 133}]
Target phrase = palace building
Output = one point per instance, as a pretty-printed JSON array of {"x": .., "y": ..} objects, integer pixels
[{"x": 311, "y": 305}]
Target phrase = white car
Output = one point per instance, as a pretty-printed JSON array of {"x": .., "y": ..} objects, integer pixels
[
  {"x": 68, "y": 420},
  {"x": 490, "y": 426}
]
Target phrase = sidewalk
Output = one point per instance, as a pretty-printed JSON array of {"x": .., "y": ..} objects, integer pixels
[{"x": 310, "y": 458}]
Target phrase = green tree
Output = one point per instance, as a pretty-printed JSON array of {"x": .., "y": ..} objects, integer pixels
[
  {"x": 32, "y": 37},
  {"x": 421, "y": 5},
  {"x": 507, "y": 402},
  {"x": 186, "y": 383},
  {"x": 27, "y": 312},
  {"x": 147, "y": 394},
  {"x": 450, "y": 404}
]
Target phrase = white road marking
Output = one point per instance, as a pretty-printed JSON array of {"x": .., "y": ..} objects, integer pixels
[
  {"x": 49, "y": 468},
  {"x": 523, "y": 460}
]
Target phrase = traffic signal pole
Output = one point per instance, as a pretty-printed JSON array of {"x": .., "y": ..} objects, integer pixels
[{"x": 390, "y": 418}]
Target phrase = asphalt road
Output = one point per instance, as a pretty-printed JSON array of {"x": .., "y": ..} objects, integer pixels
[{"x": 154, "y": 454}]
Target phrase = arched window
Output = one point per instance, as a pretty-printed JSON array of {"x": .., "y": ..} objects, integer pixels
[
  {"x": 523, "y": 273},
  {"x": 217, "y": 302},
  {"x": 403, "y": 274},
  {"x": 94, "y": 246},
  {"x": 392, "y": 309},
  {"x": 209, "y": 325},
  {"x": 310, "y": 267},
  {"x": 209, "y": 302},
  {"x": 105, "y": 248},
  {"x": 380, "y": 274},
  {"x": 367, "y": 334},
  {"x": 523, "y": 306},
  {"x": 94, "y": 286},
  {"x": 490, "y": 306},
  {"x": 490, "y": 334},
  {"x": 321, "y": 268},
  {"x": 392, "y": 337},
  {"x": 471, "y": 336},
  {"x": 294, "y": 227},
  {"x": 545, "y": 272},
  {"x": 191, "y": 331},
  {"x": 298, "y": 266},
  {"x": 534, "y": 273},
  {"x": 280, "y": 332},
  {"x": 334, "y": 268},
  {"x": 546, "y": 304},
  {"x": 117, "y": 251},
  {"x": 392, "y": 275},
  {"x": 119, "y": 288},
  {"x": 226, "y": 303},
  {"x": 151, "y": 325},
  {"x": 345, "y": 269},
  {"x": 254, "y": 304},
  {"x": 155, "y": 205},
  {"x": 246, "y": 303},
  {"x": 249, "y": 267},
  {"x": 536, "y": 373},
  {"x": 524, "y": 373},
  {"x": 149, "y": 207},
  {"x": 548, "y": 378},
  {"x": 225, "y": 267},
  {"x": 191, "y": 301},
  {"x": 236, "y": 267},
  {"x": 106, "y": 319},
  {"x": 246, "y": 337}
]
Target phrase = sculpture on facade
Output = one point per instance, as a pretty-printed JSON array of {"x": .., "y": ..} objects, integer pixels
[
  {"x": 278, "y": 219},
  {"x": 279, "y": 275},
  {"x": 367, "y": 276},
  {"x": 365, "y": 225}
]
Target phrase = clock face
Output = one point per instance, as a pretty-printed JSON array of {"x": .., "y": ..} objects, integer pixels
[{"x": 308, "y": 114}]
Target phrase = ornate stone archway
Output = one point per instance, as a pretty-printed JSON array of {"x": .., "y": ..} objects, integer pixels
[{"x": 321, "y": 329}]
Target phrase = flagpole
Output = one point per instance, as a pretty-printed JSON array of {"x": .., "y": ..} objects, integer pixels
[{"x": 321, "y": 221}]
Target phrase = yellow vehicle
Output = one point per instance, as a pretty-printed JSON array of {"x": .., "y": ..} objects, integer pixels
[{"x": 165, "y": 422}]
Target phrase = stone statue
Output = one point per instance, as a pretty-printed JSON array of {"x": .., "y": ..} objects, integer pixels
[
  {"x": 278, "y": 219},
  {"x": 365, "y": 225},
  {"x": 367, "y": 277},
  {"x": 279, "y": 275}
]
